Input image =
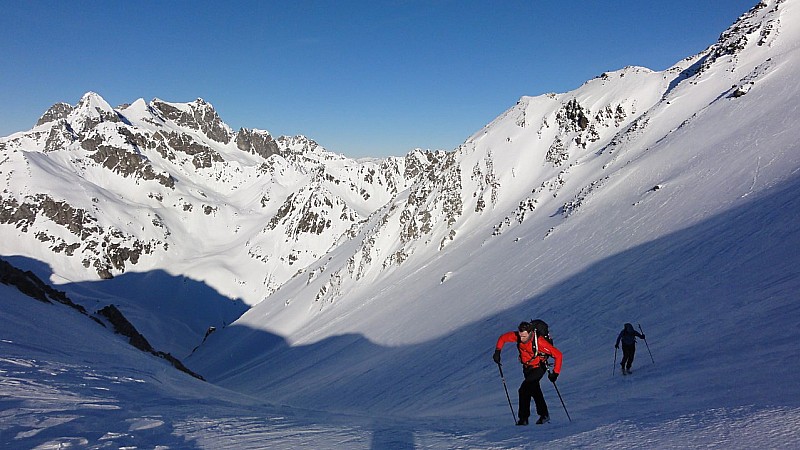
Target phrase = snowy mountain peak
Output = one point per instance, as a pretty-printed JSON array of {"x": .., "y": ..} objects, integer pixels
[
  {"x": 92, "y": 99},
  {"x": 90, "y": 111},
  {"x": 92, "y": 105}
]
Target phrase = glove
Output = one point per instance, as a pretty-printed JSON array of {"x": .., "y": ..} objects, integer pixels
[
  {"x": 496, "y": 356},
  {"x": 642, "y": 336},
  {"x": 552, "y": 376}
]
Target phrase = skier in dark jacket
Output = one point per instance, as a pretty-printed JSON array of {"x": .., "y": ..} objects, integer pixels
[
  {"x": 628, "y": 337},
  {"x": 533, "y": 356}
]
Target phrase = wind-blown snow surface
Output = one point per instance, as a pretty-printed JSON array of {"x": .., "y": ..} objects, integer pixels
[{"x": 676, "y": 207}]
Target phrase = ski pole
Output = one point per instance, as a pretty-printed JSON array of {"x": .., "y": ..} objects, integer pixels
[
  {"x": 560, "y": 398},
  {"x": 645, "y": 343},
  {"x": 614, "y": 369},
  {"x": 513, "y": 414}
]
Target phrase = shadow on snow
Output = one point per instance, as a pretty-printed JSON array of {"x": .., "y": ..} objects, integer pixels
[{"x": 698, "y": 292}]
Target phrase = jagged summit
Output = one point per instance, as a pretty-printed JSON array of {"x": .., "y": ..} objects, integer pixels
[
  {"x": 759, "y": 27},
  {"x": 197, "y": 115},
  {"x": 56, "y": 112}
]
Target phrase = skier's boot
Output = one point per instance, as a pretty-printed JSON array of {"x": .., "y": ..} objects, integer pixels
[
  {"x": 543, "y": 419},
  {"x": 623, "y": 369},
  {"x": 522, "y": 421}
]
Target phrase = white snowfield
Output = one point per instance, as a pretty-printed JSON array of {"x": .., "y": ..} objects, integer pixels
[{"x": 667, "y": 199}]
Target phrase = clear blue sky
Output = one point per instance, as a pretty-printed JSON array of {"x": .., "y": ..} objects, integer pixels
[{"x": 362, "y": 78}]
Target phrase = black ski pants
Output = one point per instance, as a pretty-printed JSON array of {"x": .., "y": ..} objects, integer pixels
[
  {"x": 530, "y": 388},
  {"x": 628, "y": 351}
]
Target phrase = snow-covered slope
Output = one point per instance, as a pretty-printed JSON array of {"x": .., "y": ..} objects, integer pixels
[{"x": 378, "y": 288}]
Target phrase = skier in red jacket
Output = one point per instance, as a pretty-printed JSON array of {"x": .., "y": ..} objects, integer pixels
[{"x": 533, "y": 354}]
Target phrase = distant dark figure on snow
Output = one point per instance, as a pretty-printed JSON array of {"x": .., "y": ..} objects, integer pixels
[
  {"x": 628, "y": 337},
  {"x": 534, "y": 346}
]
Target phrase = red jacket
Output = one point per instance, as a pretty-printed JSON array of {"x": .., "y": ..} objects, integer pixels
[{"x": 527, "y": 354}]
